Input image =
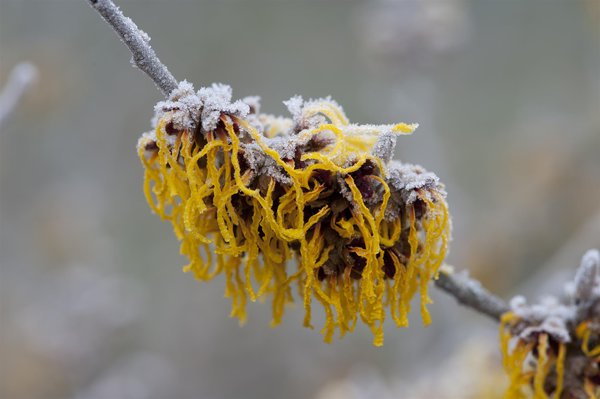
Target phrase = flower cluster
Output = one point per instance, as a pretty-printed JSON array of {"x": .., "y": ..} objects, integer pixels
[
  {"x": 552, "y": 349},
  {"x": 247, "y": 192}
]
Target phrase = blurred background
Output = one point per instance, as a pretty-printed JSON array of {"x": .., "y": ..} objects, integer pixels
[{"x": 92, "y": 298}]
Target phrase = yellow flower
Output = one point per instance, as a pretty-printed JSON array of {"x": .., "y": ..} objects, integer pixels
[
  {"x": 312, "y": 201},
  {"x": 535, "y": 365}
]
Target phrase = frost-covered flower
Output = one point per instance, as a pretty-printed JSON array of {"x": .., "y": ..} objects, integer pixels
[
  {"x": 248, "y": 192},
  {"x": 552, "y": 349}
]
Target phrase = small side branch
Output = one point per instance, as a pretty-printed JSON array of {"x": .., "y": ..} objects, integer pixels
[
  {"x": 19, "y": 81},
  {"x": 470, "y": 293},
  {"x": 137, "y": 41}
]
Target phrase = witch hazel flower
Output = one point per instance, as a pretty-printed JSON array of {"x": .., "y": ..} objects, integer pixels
[
  {"x": 312, "y": 201},
  {"x": 552, "y": 349}
]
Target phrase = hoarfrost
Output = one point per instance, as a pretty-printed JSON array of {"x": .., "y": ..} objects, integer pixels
[
  {"x": 186, "y": 108},
  {"x": 549, "y": 316},
  {"x": 216, "y": 100},
  {"x": 555, "y": 316},
  {"x": 408, "y": 178},
  {"x": 294, "y": 106},
  {"x": 385, "y": 145},
  {"x": 183, "y": 105},
  {"x": 253, "y": 103},
  {"x": 586, "y": 277},
  {"x": 145, "y": 139}
]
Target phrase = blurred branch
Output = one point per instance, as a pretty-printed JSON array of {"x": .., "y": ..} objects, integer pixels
[
  {"x": 19, "y": 81},
  {"x": 470, "y": 293},
  {"x": 137, "y": 41}
]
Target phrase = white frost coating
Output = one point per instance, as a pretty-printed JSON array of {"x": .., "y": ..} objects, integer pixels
[
  {"x": 550, "y": 316},
  {"x": 294, "y": 106},
  {"x": 555, "y": 326},
  {"x": 137, "y": 41},
  {"x": 385, "y": 145},
  {"x": 215, "y": 100},
  {"x": 254, "y": 103},
  {"x": 309, "y": 114},
  {"x": 183, "y": 107},
  {"x": 548, "y": 306},
  {"x": 279, "y": 124},
  {"x": 264, "y": 165},
  {"x": 186, "y": 108},
  {"x": 355, "y": 129},
  {"x": 285, "y": 146},
  {"x": 407, "y": 178},
  {"x": 292, "y": 137},
  {"x": 145, "y": 139},
  {"x": 313, "y": 106},
  {"x": 586, "y": 276},
  {"x": 554, "y": 316},
  {"x": 146, "y": 37}
]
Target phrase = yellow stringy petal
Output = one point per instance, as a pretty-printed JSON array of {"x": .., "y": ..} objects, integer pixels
[{"x": 517, "y": 356}]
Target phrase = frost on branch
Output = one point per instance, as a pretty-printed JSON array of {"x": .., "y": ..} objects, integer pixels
[
  {"x": 553, "y": 347},
  {"x": 186, "y": 108},
  {"x": 311, "y": 200}
]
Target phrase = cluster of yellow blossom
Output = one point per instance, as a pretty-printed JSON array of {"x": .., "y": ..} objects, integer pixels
[
  {"x": 529, "y": 364},
  {"x": 312, "y": 201},
  {"x": 552, "y": 349}
]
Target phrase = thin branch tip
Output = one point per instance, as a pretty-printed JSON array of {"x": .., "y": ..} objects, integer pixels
[{"x": 137, "y": 41}]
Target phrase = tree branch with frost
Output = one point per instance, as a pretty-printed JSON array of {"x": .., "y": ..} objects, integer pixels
[
  {"x": 469, "y": 292},
  {"x": 19, "y": 81},
  {"x": 137, "y": 41}
]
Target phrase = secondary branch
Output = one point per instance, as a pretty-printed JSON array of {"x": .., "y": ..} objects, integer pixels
[
  {"x": 137, "y": 41},
  {"x": 469, "y": 292}
]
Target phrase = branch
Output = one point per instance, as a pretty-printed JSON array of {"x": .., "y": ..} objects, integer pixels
[
  {"x": 137, "y": 41},
  {"x": 467, "y": 291},
  {"x": 20, "y": 79},
  {"x": 470, "y": 293}
]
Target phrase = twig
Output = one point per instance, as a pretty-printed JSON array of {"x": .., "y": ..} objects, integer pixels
[
  {"x": 467, "y": 291},
  {"x": 20, "y": 79},
  {"x": 137, "y": 41},
  {"x": 470, "y": 293}
]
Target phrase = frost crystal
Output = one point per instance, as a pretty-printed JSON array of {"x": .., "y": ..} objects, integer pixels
[
  {"x": 294, "y": 106},
  {"x": 586, "y": 276},
  {"x": 385, "y": 145},
  {"x": 216, "y": 100},
  {"x": 186, "y": 108},
  {"x": 182, "y": 108},
  {"x": 549, "y": 316},
  {"x": 408, "y": 179}
]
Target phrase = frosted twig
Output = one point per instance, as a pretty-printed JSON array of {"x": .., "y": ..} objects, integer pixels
[
  {"x": 470, "y": 293},
  {"x": 20, "y": 79},
  {"x": 137, "y": 41},
  {"x": 587, "y": 275}
]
